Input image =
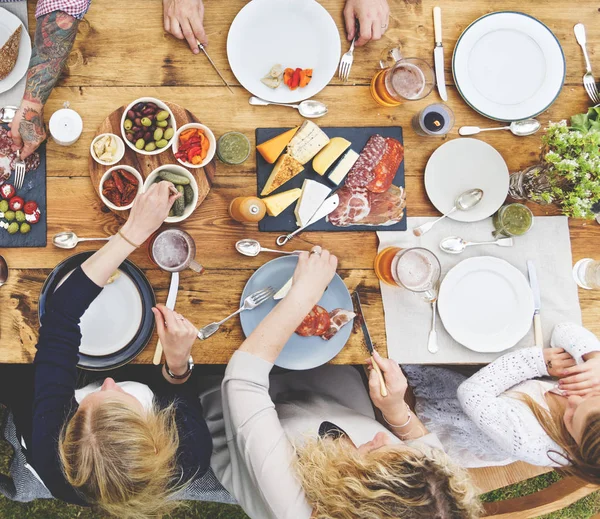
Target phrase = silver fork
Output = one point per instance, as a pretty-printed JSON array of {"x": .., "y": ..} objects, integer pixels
[
  {"x": 250, "y": 303},
  {"x": 346, "y": 61},
  {"x": 588, "y": 78},
  {"x": 19, "y": 171}
]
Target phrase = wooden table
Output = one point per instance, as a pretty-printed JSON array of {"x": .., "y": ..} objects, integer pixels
[{"x": 123, "y": 53}]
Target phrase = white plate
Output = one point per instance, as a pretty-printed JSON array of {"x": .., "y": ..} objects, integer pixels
[
  {"x": 508, "y": 66},
  {"x": 486, "y": 304},
  {"x": 293, "y": 33},
  {"x": 113, "y": 318},
  {"x": 463, "y": 164},
  {"x": 8, "y": 24}
]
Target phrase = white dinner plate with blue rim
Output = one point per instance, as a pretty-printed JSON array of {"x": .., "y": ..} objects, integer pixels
[
  {"x": 508, "y": 66},
  {"x": 486, "y": 304},
  {"x": 8, "y": 24},
  {"x": 292, "y": 33},
  {"x": 299, "y": 352}
]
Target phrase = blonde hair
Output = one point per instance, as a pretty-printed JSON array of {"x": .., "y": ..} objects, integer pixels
[
  {"x": 340, "y": 483},
  {"x": 583, "y": 459},
  {"x": 121, "y": 460}
]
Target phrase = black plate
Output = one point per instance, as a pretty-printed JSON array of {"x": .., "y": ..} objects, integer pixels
[{"x": 142, "y": 336}]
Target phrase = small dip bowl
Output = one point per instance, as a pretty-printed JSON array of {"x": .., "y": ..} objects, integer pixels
[{"x": 233, "y": 148}]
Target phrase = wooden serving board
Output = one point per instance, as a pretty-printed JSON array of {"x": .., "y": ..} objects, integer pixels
[{"x": 145, "y": 164}]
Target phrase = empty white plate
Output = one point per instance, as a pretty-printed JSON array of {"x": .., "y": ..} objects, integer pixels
[
  {"x": 463, "y": 164},
  {"x": 293, "y": 33},
  {"x": 508, "y": 66},
  {"x": 8, "y": 24},
  {"x": 486, "y": 304}
]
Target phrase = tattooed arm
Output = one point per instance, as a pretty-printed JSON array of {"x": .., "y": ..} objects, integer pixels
[{"x": 54, "y": 37}]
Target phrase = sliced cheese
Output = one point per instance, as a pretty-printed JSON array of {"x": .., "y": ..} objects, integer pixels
[
  {"x": 313, "y": 195},
  {"x": 343, "y": 167},
  {"x": 277, "y": 203},
  {"x": 283, "y": 291},
  {"x": 307, "y": 142},
  {"x": 329, "y": 154},
  {"x": 274, "y": 147},
  {"x": 285, "y": 169}
]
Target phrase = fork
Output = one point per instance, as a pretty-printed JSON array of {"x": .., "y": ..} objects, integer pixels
[
  {"x": 588, "y": 78},
  {"x": 250, "y": 303},
  {"x": 19, "y": 171},
  {"x": 346, "y": 61}
]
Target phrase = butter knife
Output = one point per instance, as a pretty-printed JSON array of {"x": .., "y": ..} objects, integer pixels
[
  {"x": 438, "y": 53},
  {"x": 171, "y": 298},
  {"x": 537, "y": 304}
]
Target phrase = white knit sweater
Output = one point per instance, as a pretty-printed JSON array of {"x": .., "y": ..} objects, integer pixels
[{"x": 507, "y": 420}]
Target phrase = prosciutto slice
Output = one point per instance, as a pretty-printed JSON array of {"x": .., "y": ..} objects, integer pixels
[
  {"x": 339, "y": 317},
  {"x": 386, "y": 208}
]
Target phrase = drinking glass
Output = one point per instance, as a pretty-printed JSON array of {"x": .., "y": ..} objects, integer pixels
[
  {"x": 401, "y": 79},
  {"x": 512, "y": 220},
  {"x": 173, "y": 250},
  {"x": 586, "y": 273}
]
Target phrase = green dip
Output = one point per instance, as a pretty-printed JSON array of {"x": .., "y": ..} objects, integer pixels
[
  {"x": 233, "y": 148},
  {"x": 513, "y": 220}
]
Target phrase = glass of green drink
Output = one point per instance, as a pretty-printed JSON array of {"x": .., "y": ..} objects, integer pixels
[{"x": 512, "y": 220}]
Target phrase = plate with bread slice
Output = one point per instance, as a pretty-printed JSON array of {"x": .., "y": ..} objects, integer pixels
[{"x": 15, "y": 50}]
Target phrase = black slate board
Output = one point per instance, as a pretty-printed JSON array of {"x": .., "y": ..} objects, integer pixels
[
  {"x": 34, "y": 188},
  {"x": 286, "y": 221}
]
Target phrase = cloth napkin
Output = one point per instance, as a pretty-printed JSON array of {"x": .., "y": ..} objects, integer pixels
[
  {"x": 408, "y": 316},
  {"x": 15, "y": 94}
]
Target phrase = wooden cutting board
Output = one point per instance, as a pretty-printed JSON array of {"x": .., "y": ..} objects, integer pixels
[{"x": 145, "y": 164}]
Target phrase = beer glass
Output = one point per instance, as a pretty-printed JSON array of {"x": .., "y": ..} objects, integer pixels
[{"x": 174, "y": 250}]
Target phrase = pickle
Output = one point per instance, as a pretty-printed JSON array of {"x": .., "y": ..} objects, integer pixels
[
  {"x": 179, "y": 205},
  {"x": 174, "y": 177},
  {"x": 188, "y": 192}
]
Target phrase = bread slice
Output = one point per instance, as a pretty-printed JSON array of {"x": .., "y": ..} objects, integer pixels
[
  {"x": 9, "y": 53},
  {"x": 285, "y": 169}
]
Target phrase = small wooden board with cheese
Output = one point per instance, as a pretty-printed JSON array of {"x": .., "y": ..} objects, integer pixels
[{"x": 325, "y": 156}]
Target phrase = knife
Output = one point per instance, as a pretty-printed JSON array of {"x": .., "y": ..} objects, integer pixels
[
  {"x": 438, "y": 53},
  {"x": 537, "y": 304},
  {"x": 171, "y": 298},
  {"x": 368, "y": 342},
  {"x": 201, "y": 47}
]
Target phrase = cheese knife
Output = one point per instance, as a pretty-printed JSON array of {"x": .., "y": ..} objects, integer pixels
[
  {"x": 438, "y": 53},
  {"x": 537, "y": 304},
  {"x": 368, "y": 342},
  {"x": 171, "y": 298}
]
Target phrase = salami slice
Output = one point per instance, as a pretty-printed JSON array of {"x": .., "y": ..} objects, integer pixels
[
  {"x": 315, "y": 323},
  {"x": 362, "y": 172},
  {"x": 339, "y": 317},
  {"x": 385, "y": 170},
  {"x": 323, "y": 322}
]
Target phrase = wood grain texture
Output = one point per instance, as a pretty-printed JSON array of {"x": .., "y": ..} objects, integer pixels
[{"x": 487, "y": 479}]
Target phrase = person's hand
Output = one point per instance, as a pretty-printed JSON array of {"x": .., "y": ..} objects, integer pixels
[
  {"x": 149, "y": 211},
  {"x": 392, "y": 406},
  {"x": 177, "y": 336},
  {"x": 556, "y": 360},
  {"x": 373, "y": 17},
  {"x": 581, "y": 379},
  {"x": 314, "y": 272},
  {"x": 184, "y": 19},
  {"x": 27, "y": 128}
]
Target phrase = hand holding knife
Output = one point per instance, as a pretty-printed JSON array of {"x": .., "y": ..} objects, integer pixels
[
  {"x": 171, "y": 298},
  {"x": 438, "y": 54}
]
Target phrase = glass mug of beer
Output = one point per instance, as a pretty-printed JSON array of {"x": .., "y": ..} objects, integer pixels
[
  {"x": 174, "y": 250},
  {"x": 401, "y": 79}
]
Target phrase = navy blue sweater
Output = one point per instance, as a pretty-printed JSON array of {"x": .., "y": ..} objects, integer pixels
[{"x": 54, "y": 403}]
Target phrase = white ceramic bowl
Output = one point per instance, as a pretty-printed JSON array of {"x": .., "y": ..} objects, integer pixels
[
  {"x": 131, "y": 170},
  {"x": 211, "y": 149},
  {"x": 119, "y": 154},
  {"x": 162, "y": 106},
  {"x": 189, "y": 209}
]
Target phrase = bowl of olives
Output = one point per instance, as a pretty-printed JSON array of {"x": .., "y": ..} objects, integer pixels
[{"x": 148, "y": 126}]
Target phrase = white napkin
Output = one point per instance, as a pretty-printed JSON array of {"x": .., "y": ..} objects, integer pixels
[
  {"x": 408, "y": 317},
  {"x": 13, "y": 96}
]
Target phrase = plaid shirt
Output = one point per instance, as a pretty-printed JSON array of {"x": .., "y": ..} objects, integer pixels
[{"x": 76, "y": 8}]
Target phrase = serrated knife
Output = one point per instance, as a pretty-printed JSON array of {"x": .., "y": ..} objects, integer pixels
[
  {"x": 438, "y": 53},
  {"x": 537, "y": 304}
]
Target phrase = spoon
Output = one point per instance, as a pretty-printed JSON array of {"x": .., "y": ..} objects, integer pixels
[
  {"x": 249, "y": 247},
  {"x": 456, "y": 245},
  {"x": 518, "y": 128},
  {"x": 309, "y": 109},
  {"x": 7, "y": 114},
  {"x": 464, "y": 202},
  {"x": 3, "y": 271},
  {"x": 69, "y": 240}
]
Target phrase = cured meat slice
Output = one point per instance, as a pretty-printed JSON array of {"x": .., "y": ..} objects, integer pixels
[
  {"x": 315, "y": 323},
  {"x": 353, "y": 208},
  {"x": 362, "y": 172},
  {"x": 339, "y": 317},
  {"x": 386, "y": 208},
  {"x": 385, "y": 169},
  {"x": 32, "y": 162},
  {"x": 324, "y": 321}
]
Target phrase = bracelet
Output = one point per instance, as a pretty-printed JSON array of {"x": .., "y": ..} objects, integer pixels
[
  {"x": 404, "y": 424},
  {"x": 185, "y": 375},
  {"x": 127, "y": 239}
]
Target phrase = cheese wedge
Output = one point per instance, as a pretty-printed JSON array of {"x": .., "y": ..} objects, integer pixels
[
  {"x": 283, "y": 291},
  {"x": 285, "y": 169},
  {"x": 277, "y": 203},
  {"x": 343, "y": 167},
  {"x": 313, "y": 195},
  {"x": 307, "y": 142},
  {"x": 329, "y": 154},
  {"x": 274, "y": 147}
]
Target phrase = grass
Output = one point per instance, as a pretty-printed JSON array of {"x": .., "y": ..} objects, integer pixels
[{"x": 53, "y": 509}]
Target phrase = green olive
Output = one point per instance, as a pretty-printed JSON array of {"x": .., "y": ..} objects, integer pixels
[
  {"x": 158, "y": 134},
  {"x": 146, "y": 121},
  {"x": 162, "y": 124},
  {"x": 150, "y": 146},
  {"x": 128, "y": 124},
  {"x": 162, "y": 143},
  {"x": 163, "y": 115},
  {"x": 169, "y": 133},
  {"x": 140, "y": 143}
]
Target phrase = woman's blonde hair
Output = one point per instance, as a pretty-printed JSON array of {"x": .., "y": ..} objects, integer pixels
[
  {"x": 121, "y": 460},
  {"x": 583, "y": 459},
  {"x": 341, "y": 483}
]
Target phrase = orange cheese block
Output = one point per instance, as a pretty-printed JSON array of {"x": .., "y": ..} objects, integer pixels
[{"x": 272, "y": 148}]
